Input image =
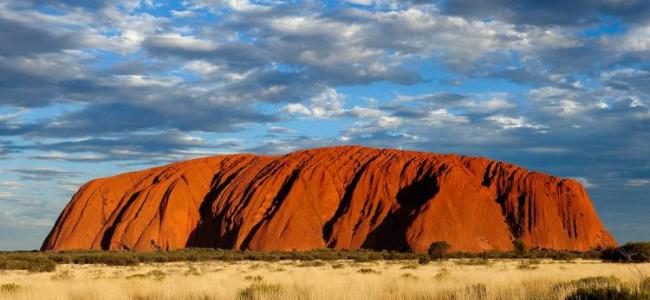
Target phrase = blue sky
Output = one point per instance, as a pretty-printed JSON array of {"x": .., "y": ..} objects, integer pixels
[{"x": 95, "y": 88}]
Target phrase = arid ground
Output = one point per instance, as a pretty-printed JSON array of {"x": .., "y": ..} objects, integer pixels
[{"x": 340, "y": 279}]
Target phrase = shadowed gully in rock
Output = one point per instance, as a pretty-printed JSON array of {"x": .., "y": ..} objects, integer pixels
[{"x": 338, "y": 197}]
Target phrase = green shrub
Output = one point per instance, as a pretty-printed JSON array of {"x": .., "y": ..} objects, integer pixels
[
  {"x": 636, "y": 252},
  {"x": 588, "y": 283},
  {"x": 438, "y": 249},
  {"x": 423, "y": 260},
  {"x": 28, "y": 262},
  {"x": 519, "y": 246}
]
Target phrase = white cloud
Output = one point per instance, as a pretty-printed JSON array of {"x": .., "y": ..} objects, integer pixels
[
  {"x": 327, "y": 104},
  {"x": 181, "y": 42},
  {"x": 639, "y": 182},
  {"x": 636, "y": 39},
  {"x": 507, "y": 122}
]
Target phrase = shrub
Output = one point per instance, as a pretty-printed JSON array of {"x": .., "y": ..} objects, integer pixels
[
  {"x": 438, "y": 249},
  {"x": 519, "y": 246},
  {"x": 367, "y": 271},
  {"x": 474, "y": 262},
  {"x": 28, "y": 262},
  {"x": 261, "y": 290},
  {"x": 636, "y": 252},
  {"x": 9, "y": 288},
  {"x": 596, "y": 282},
  {"x": 528, "y": 265},
  {"x": 606, "y": 293},
  {"x": 107, "y": 258},
  {"x": 423, "y": 260}
]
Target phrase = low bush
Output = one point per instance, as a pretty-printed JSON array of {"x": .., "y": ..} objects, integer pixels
[
  {"x": 367, "y": 271},
  {"x": 108, "y": 258},
  {"x": 9, "y": 288},
  {"x": 46, "y": 261},
  {"x": 607, "y": 293},
  {"x": 261, "y": 290},
  {"x": 438, "y": 249},
  {"x": 423, "y": 260},
  {"x": 636, "y": 252},
  {"x": 28, "y": 261}
]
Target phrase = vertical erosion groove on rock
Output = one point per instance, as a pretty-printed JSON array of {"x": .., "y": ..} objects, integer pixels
[{"x": 338, "y": 197}]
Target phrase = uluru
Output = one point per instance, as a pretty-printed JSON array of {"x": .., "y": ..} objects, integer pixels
[{"x": 344, "y": 197}]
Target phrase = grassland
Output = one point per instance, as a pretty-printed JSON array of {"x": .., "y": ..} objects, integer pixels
[
  {"x": 328, "y": 274},
  {"x": 318, "y": 279}
]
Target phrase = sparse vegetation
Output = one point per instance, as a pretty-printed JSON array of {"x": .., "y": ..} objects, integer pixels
[
  {"x": 9, "y": 288},
  {"x": 438, "y": 250},
  {"x": 636, "y": 252},
  {"x": 30, "y": 262},
  {"x": 261, "y": 290},
  {"x": 519, "y": 247},
  {"x": 423, "y": 260},
  {"x": 47, "y": 261},
  {"x": 378, "y": 279},
  {"x": 367, "y": 271},
  {"x": 607, "y": 293}
]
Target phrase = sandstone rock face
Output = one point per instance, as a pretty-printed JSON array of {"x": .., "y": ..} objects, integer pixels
[{"x": 339, "y": 197}]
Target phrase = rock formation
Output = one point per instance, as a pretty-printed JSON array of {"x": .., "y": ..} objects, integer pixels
[{"x": 338, "y": 197}]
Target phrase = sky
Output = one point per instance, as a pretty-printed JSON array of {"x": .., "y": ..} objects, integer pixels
[{"x": 95, "y": 88}]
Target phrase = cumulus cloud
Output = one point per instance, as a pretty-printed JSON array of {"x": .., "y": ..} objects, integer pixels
[{"x": 558, "y": 87}]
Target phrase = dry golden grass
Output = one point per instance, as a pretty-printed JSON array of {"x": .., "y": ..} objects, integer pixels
[{"x": 497, "y": 279}]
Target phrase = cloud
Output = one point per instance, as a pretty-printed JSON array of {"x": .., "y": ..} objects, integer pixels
[
  {"x": 327, "y": 104},
  {"x": 42, "y": 174},
  {"x": 556, "y": 87},
  {"x": 147, "y": 147},
  {"x": 638, "y": 182},
  {"x": 28, "y": 39},
  {"x": 549, "y": 13}
]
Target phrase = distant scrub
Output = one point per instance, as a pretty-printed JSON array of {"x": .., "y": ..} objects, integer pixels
[
  {"x": 47, "y": 261},
  {"x": 33, "y": 262}
]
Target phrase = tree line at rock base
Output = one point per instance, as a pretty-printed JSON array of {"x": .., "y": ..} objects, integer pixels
[{"x": 46, "y": 261}]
